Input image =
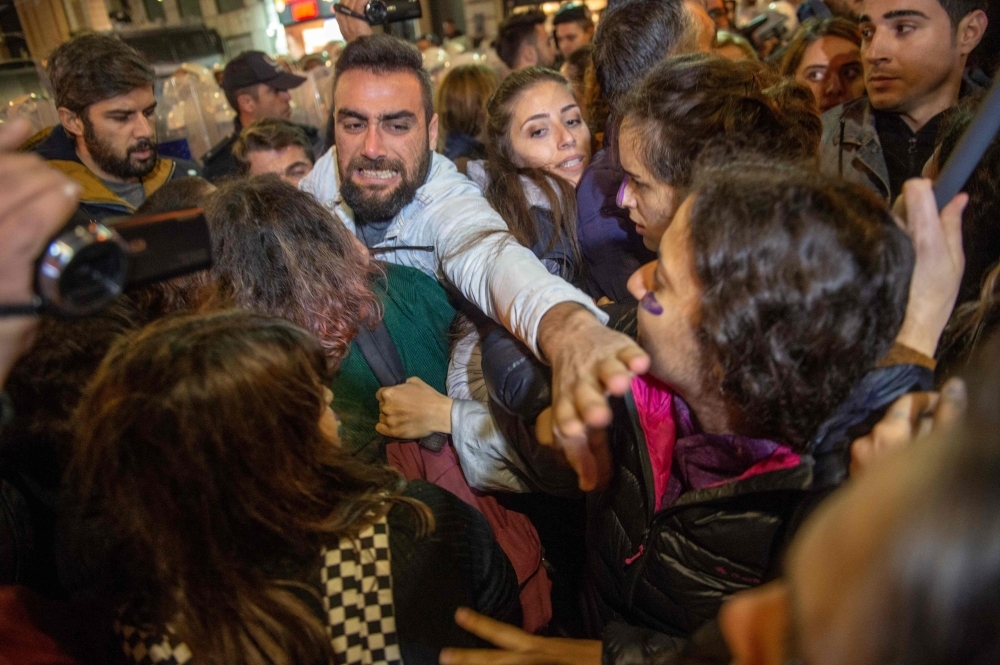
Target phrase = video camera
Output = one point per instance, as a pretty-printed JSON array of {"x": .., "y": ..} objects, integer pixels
[
  {"x": 89, "y": 263},
  {"x": 379, "y": 12}
]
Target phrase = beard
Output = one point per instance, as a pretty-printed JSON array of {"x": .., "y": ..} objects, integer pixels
[
  {"x": 378, "y": 206},
  {"x": 114, "y": 164}
]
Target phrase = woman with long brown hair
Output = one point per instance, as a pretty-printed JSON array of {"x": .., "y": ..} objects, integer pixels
[{"x": 234, "y": 529}]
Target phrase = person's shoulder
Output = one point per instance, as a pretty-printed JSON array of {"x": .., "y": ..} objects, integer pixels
[{"x": 219, "y": 151}]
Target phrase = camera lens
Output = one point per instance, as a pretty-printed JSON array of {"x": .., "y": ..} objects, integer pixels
[
  {"x": 83, "y": 269},
  {"x": 376, "y": 12}
]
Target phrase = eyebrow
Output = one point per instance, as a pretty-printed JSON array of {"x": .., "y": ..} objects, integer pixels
[
  {"x": 543, "y": 116},
  {"x": 151, "y": 107},
  {"x": 395, "y": 115},
  {"x": 896, "y": 13}
]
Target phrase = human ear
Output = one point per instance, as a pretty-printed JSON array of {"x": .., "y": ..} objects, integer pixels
[
  {"x": 70, "y": 121},
  {"x": 432, "y": 131},
  {"x": 246, "y": 103},
  {"x": 528, "y": 55},
  {"x": 754, "y": 624},
  {"x": 971, "y": 30}
]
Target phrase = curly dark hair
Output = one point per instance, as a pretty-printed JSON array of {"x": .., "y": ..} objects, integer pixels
[
  {"x": 805, "y": 281},
  {"x": 699, "y": 103}
]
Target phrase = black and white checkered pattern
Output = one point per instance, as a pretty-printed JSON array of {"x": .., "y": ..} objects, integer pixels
[
  {"x": 357, "y": 596},
  {"x": 149, "y": 648}
]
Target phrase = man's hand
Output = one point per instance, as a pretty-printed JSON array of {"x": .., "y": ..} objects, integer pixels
[
  {"x": 412, "y": 410},
  {"x": 35, "y": 202},
  {"x": 351, "y": 27},
  {"x": 940, "y": 262},
  {"x": 589, "y": 361},
  {"x": 516, "y": 646},
  {"x": 910, "y": 417}
]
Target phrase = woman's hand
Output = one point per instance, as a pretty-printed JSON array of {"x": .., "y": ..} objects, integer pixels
[
  {"x": 939, "y": 264},
  {"x": 412, "y": 410},
  {"x": 910, "y": 417},
  {"x": 516, "y": 646}
]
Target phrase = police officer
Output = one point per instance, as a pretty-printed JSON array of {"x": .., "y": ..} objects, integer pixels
[{"x": 257, "y": 88}]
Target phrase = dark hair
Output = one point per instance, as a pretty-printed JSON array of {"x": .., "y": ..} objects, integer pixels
[
  {"x": 959, "y": 9},
  {"x": 177, "y": 194},
  {"x": 201, "y": 459},
  {"x": 573, "y": 12},
  {"x": 504, "y": 189},
  {"x": 516, "y": 30},
  {"x": 805, "y": 282},
  {"x": 46, "y": 384},
  {"x": 580, "y": 60},
  {"x": 269, "y": 134},
  {"x": 92, "y": 68},
  {"x": 382, "y": 54},
  {"x": 278, "y": 251},
  {"x": 632, "y": 37},
  {"x": 462, "y": 99},
  {"x": 233, "y": 96},
  {"x": 690, "y": 103},
  {"x": 812, "y": 31}
]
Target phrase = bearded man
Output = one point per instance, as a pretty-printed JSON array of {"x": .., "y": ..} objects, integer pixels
[{"x": 106, "y": 139}]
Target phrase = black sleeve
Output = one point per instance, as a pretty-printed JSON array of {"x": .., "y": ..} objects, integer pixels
[
  {"x": 629, "y": 645},
  {"x": 459, "y": 564}
]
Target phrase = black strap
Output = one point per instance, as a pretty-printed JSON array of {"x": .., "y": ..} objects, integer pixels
[{"x": 379, "y": 351}]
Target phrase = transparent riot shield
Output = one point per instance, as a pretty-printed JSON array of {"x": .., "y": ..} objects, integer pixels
[
  {"x": 193, "y": 113},
  {"x": 311, "y": 100},
  {"x": 36, "y": 109}
]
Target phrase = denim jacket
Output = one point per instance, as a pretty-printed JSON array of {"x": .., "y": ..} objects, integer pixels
[
  {"x": 850, "y": 147},
  {"x": 446, "y": 221}
]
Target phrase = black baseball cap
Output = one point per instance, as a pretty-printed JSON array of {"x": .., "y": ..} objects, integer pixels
[{"x": 253, "y": 67}]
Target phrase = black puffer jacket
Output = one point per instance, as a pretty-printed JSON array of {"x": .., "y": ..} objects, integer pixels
[
  {"x": 670, "y": 570},
  {"x": 667, "y": 573}
]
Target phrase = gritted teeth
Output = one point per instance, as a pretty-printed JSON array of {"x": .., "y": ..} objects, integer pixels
[{"x": 378, "y": 175}]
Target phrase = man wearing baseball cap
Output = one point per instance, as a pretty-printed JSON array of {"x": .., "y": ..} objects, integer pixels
[{"x": 257, "y": 88}]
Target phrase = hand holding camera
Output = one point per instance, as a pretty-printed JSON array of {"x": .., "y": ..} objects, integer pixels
[{"x": 355, "y": 17}]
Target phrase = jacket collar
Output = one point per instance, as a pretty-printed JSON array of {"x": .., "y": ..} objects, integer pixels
[
  {"x": 857, "y": 129},
  {"x": 60, "y": 152}
]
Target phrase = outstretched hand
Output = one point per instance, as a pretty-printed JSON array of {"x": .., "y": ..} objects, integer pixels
[
  {"x": 516, "y": 646},
  {"x": 939, "y": 264},
  {"x": 589, "y": 361}
]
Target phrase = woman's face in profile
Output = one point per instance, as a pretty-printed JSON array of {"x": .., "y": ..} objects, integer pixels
[{"x": 547, "y": 131}]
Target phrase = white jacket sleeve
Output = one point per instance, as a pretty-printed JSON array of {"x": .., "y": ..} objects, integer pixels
[{"x": 502, "y": 278}]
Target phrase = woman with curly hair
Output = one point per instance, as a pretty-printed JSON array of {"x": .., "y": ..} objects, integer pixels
[{"x": 233, "y": 528}]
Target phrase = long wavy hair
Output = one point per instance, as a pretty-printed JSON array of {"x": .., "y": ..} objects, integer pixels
[
  {"x": 505, "y": 190},
  {"x": 201, "y": 461},
  {"x": 279, "y": 252}
]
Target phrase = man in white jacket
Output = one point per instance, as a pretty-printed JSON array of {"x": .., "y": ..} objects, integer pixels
[{"x": 410, "y": 206}]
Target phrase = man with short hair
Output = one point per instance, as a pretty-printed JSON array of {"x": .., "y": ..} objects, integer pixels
[
  {"x": 257, "y": 89},
  {"x": 106, "y": 139},
  {"x": 572, "y": 27},
  {"x": 274, "y": 146},
  {"x": 412, "y": 207},
  {"x": 522, "y": 41},
  {"x": 632, "y": 37},
  {"x": 914, "y": 52}
]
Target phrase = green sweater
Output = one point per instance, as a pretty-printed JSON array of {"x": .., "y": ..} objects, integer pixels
[{"x": 417, "y": 314}]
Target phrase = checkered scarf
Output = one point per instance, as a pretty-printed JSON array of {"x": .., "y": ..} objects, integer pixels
[{"x": 357, "y": 599}]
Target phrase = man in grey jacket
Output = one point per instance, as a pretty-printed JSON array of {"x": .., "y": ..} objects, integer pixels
[
  {"x": 410, "y": 206},
  {"x": 914, "y": 53}
]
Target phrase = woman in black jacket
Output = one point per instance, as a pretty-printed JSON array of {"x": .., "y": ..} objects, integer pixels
[
  {"x": 209, "y": 488},
  {"x": 775, "y": 294}
]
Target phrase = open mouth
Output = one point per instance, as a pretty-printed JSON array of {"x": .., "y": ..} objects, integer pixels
[
  {"x": 570, "y": 163},
  {"x": 373, "y": 174}
]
